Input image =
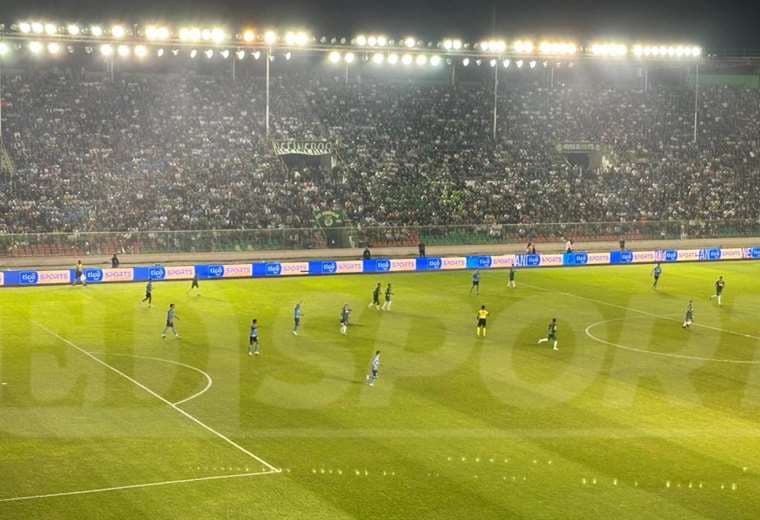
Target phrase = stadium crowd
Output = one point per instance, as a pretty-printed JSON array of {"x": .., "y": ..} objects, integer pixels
[{"x": 166, "y": 151}]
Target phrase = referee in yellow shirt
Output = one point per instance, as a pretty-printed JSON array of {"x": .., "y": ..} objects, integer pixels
[{"x": 482, "y": 315}]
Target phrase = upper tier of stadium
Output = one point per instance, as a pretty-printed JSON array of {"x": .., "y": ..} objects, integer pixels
[{"x": 186, "y": 148}]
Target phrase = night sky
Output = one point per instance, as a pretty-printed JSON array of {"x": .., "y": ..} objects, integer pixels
[{"x": 718, "y": 26}]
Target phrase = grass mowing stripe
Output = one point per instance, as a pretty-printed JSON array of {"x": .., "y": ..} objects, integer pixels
[{"x": 160, "y": 398}]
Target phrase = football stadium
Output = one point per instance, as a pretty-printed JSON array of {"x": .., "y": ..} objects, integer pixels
[{"x": 253, "y": 271}]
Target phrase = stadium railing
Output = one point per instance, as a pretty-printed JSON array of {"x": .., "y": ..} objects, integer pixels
[{"x": 241, "y": 240}]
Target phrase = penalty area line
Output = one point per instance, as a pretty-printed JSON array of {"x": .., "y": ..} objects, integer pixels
[
  {"x": 160, "y": 398},
  {"x": 135, "y": 486}
]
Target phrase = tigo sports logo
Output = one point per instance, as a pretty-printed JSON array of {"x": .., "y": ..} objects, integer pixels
[
  {"x": 215, "y": 271},
  {"x": 28, "y": 278},
  {"x": 157, "y": 273},
  {"x": 93, "y": 275}
]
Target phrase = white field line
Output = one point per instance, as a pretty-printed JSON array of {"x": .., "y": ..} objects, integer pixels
[
  {"x": 209, "y": 381},
  {"x": 133, "y": 486},
  {"x": 664, "y": 354},
  {"x": 645, "y": 313},
  {"x": 162, "y": 399}
]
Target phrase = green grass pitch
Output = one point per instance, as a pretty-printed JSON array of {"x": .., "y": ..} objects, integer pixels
[{"x": 634, "y": 416}]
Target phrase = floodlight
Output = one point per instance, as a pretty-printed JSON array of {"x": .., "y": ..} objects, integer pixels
[
  {"x": 478, "y": 62},
  {"x": 457, "y": 44},
  {"x": 349, "y": 57},
  {"x": 288, "y": 55},
  {"x": 393, "y": 59},
  {"x": 37, "y": 28},
  {"x": 51, "y": 29},
  {"x": 3, "y": 48},
  {"x": 361, "y": 40},
  {"x": 25, "y": 27},
  {"x": 519, "y": 64},
  {"x": 54, "y": 48},
  {"x": 466, "y": 62},
  {"x": 498, "y": 46},
  {"x": 435, "y": 60},
  {"x": 190, "y": 34},
  {"x": 123, "y": 51},
  {"x": 193, "y": 54},
  {"x": 421, "y": 60},
  {"x": 73, "y": 29},
  {"x": 96, "y": 31},
  {"x": 448, "y": 44},
  {"x": 240, "y": 55},
  {"x": 217, "y": 35},
  {"x": 156, "y": 33},
  {"x": 106, "y": 50},
  {"x": 484, "y": 45},
  {"x": 378, "y": 58},
  {"x": 175, "y": 52},
  {"x": 160, "y": 53},
  {"x": 492, "y": 63},
  {"x": 410, "y": 42},
  {"x": 334, "y": 57},
  {"x": 382, "y": 41},
  {"x": 209, "y": 53},
  {"x": 406, "y": 59},
  {"x": 532, "y": 64},
  {"x": 506, "y": 63},
  {"x": 225, "y": 54},
  {"x": 372, "y": 41},
  {"x": 256, "y": 55},
  {"x": 141, "y": 51},
  {"x": 270, "y": 37},
  {"x": 696, "y": 51},
  {"x": 249, "y": 36},
  {"x": 35, "y": 47},
  {"x": 523, "y": 46},
  {"x": 118, "y": 31}
]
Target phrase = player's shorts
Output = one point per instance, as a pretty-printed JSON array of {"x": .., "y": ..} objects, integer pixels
[
  {"x": 297, "y": 321},
  {"x": 376, "y": 301},
  {"x": 195, "y": 284},
  {"x": 552, "y": 337},
  {"x": 481, "y": 322},
  {"x": 718, "y": 292},
  {"x": 374, "y": 372},
  {"x": 475, "y": 284},
  {"x": 169, "y": 323},
  {"x": 147, "y": 295},
  {"x": 253, "y": 339}
]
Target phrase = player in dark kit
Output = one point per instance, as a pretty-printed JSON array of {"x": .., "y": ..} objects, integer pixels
[
  {"x": 720, "y": 284},
  {"x": 376, "y": 297},
  {"x": 148, "y": 293},
  {"x": 194, "y": 284},
  {"x": 688, "y": 320},
  {"x": 511, "y": 284},
  {"x": 551, "y": 335},
  {"x": 388, "y": 298}
]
